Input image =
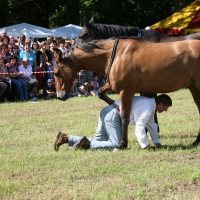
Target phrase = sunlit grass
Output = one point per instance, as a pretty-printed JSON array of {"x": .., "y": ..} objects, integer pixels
[{"x": 31, "y": 169}]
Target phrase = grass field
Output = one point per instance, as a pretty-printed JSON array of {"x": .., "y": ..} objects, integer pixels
[{"x": 31, "y": 169}]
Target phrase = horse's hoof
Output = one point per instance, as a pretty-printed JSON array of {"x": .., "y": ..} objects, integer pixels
[{"x": 194, "y": 144}]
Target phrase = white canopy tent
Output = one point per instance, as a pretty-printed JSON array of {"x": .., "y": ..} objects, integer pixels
[
  {"x": 70, "y": 30},
  {"x": 31, "y": 31}
]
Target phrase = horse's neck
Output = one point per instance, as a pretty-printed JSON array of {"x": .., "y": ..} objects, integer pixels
[{"x": 92, "y": 62}]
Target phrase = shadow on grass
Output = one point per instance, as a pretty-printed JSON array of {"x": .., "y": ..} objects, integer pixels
[{"x": 177, "y": 147}]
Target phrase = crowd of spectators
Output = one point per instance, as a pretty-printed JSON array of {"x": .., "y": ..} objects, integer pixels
[{"x": 23, "y": 57}]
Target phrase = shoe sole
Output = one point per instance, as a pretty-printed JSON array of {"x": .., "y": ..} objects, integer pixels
[
  {"x": 55, "y": 147},
  {"x": 75, "y": 146}
]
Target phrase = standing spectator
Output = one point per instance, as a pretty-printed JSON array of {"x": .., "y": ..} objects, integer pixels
[
  {"x": 4, "y": 33},
  {"x": 44, "y": 66},
  {"x": 29, "y": 41},
  {"x": 67, "y": 45},
  {"x": 95, "y": 86},
  {"x": 4, "y": 52},
  {"x": 15, "y": 52},
  {"x": 50, "y": 39},
  {"x": 16, "y": 79},
  {"x": 30, "y": 55},
  {"x": 57, "y": 41},
  {"x": 38, "y": 53},
  {"x": 62, "y": 45},
  {"x": 28, "y": 77},
  {"x": 7, "y": 95},
  {"x": 21, "y": 42},
  {"x": 5, "y": 40},
  {"x": 12, "y": 40},
  {"x": 49, "y": 53}
]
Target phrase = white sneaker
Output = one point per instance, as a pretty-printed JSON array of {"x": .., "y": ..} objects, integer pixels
[{"x": 34, "y": 99}]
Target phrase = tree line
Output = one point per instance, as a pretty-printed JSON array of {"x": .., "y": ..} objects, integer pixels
[{"x": 56, "y": 13}]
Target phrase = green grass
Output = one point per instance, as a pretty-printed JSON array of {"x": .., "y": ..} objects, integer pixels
[{"x": 31, "y": 169}]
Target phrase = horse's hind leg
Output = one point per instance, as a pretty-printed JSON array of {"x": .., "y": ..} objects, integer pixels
[
  {"x": 126, "y": 102},
  {"x": 196, "y": 96},
  {"x": 102, "y": 94}
]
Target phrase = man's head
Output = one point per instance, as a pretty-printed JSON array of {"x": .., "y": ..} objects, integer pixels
[
  {"x": 50, "y": 38},
  {"x": 12, "y": 39},
  {"x": 25, "y": 63},
  {"x": 82, "y": 78},
  {"x": 62, "y": 43},
  {"x": 163, "y": 102},
  {"x": 22, "y": 38},
  {"x": 4, "y": 32},
  {"x": 49, "y": 82}
]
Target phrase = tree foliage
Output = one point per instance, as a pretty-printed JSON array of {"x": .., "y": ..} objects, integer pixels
[{"x": 55, "y": 13}]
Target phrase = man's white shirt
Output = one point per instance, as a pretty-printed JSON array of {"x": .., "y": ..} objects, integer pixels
[{"x": 142, "y": 115}]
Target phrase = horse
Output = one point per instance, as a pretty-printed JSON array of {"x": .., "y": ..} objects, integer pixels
[
  {"x": 139, "y": 66},
  {"x": 94, "y": 31}
]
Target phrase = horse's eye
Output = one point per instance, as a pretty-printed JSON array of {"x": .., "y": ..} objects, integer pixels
[{"x": 57, "y": 74}]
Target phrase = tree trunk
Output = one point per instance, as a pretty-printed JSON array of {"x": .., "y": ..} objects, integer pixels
[{"x": 72, "y": 12}]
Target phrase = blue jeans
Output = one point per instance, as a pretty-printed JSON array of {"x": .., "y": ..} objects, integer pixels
[
  {"x": 50, "y": 75},
  {"x": 109, "y": 127},
  {"x": 21, "y": 88}
]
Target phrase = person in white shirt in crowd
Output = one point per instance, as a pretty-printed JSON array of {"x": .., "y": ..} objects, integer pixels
[
  {"x": 62, "y": 45},
  {"x": 21, "y": 42},
  {"x": 32, "y": 83},
  {"x": 110, "y": 126}
]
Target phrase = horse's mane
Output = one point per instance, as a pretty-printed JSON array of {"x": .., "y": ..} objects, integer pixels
[
  {"x": 95, "y": 44},
  {"x": 104, "y": 31}
]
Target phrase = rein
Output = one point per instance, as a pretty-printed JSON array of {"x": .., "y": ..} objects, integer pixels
[{"x": 112, "y": 58}]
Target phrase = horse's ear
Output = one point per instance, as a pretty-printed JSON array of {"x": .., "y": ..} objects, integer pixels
[
  {"x": 91, "y": 20},
  {"x": 58, "y": 54},
  {"x": 85, "y": 22}
]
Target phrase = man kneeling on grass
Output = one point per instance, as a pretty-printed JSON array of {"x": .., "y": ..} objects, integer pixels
[{"x": 110, "y": 127}]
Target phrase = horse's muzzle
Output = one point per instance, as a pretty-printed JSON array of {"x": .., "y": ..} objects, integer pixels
[{"x": 62, "y": 95}]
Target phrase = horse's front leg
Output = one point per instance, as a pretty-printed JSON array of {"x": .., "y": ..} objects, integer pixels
[
  {"x": 102, "y": 93},
  {"x": 126, "y": 102}
]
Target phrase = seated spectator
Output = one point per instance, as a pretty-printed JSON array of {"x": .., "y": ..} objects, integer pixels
[
  {"x": 51, "y": 91},
  {"x": 95, "y": 86},
  {"x": 31, "y": 81},
  {"x": 4, "y": 52},
  {"x": 17, "y": 80},
  {"x": 7, "y": 95},
  {"x": 62, "y": 45},
  {"x": 82, "y": 86},
  {"x": 74, "y": 91},
  {"x": 30, "y": 55}
]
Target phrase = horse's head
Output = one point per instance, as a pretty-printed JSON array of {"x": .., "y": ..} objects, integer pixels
[
  {"x": 85, "y": 35},
  {"x": 64, "y": 74}
]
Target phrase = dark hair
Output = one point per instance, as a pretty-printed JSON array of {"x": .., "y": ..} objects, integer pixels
[
  {"x": 165, "y": 99},
  {"x": 61, "y": 41},
  {"x": 35, "y": 43},
  {"x": 12, "y": 58},
  {"x": 3, "y": 45},
  {"x": 2, "y": 38}
]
